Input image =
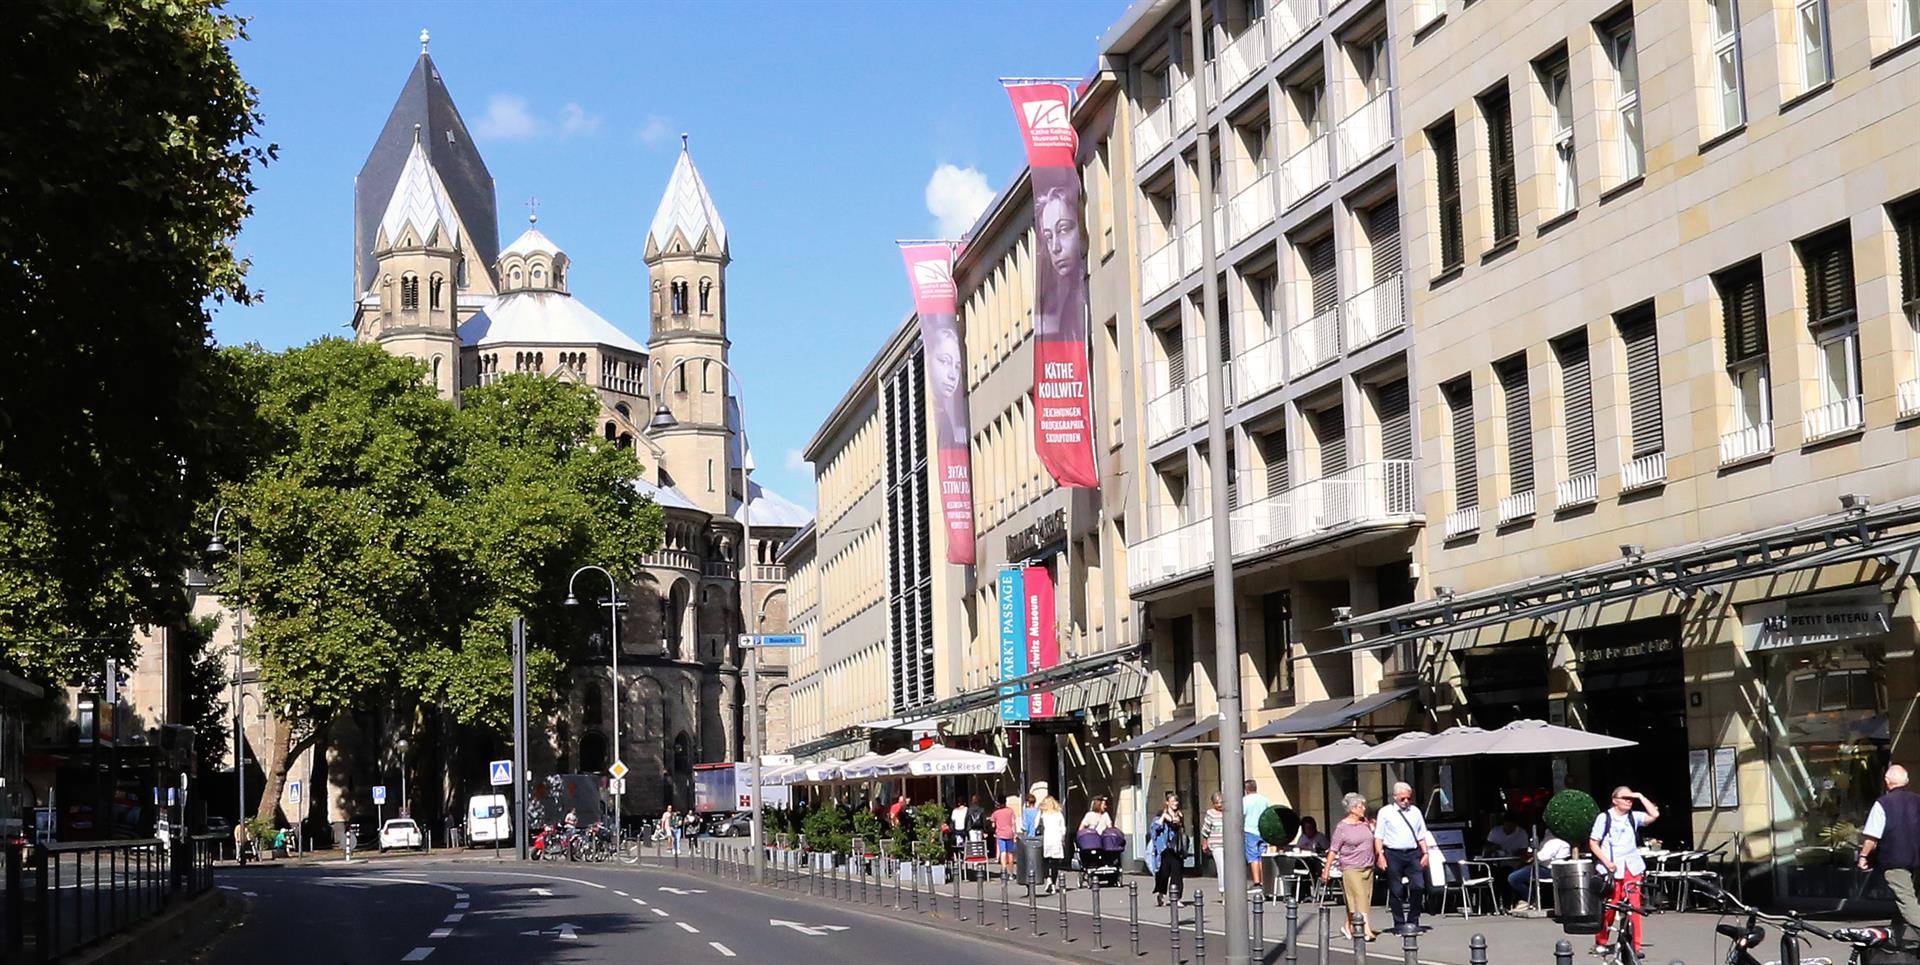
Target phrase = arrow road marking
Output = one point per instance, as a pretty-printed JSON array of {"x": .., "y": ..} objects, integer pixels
[
  {"x": 566, "y": 931},
  {"x": 814, "y": 930},
  {"x": 543, "y": 892},
  {"x": 688, "y": 891}
]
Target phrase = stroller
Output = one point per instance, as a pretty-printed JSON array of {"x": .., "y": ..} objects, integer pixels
[{"x": 1100, "y": 856}]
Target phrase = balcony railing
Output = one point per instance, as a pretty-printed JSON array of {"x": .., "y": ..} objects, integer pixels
[
  {"x": 1190, "y": 249},
  {"x": 1579, "y": 490},
  {"x": 1909, "y": 393},
  {"x": 1183, "y": 106},
  {"x": 1366, "y": 493},
  {"x": 1367, "y": 131},
  {"x": 1834, "y": 418},
  {"x": 1170, "y": 555},
  {"x": 1243, "y": 58},
  {"x": 1251, "y": 209},
  {"x": 1166, "y": 415},
  {"x": 1316, "y": 342},
  {"x": 1159, "y": 270},
  {"x": 1197, "y": 407},
  {"x": 1743, "y": 444},
  {"x": 1517, "y": 507},
  {"x": 1304, "y": 172},
  {"x": 1261, "y": 368},
  {"x": 1287, "y": 20},
  {"x": 1644, "y": 472},
  {"x": 1375, "y": 313},
  {"x": 1460, "y": 522},
  {"x": 1153, "y": 132}
]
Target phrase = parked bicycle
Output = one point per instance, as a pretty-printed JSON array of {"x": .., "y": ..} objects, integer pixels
[{"x": 1748, "y": 935}]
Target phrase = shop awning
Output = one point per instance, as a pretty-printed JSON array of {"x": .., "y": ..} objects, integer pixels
[
  {"x": 1342, "y": 751},
  {"x": 1152, "y": 737},
  {"x": 1332, "y": 714},
  {"x": 1198, "y": 733}
]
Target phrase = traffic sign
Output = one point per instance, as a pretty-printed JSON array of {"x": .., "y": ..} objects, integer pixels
[
  {"x": 619, "y": 769},
  {"x": 500, "y": 773},
  {"x": 293, "y": 792},
  {"x": 617, "y": 786},
  {"x": 170, "y": 800},
  {"x": 379, "y": 794},
  {"x": 752, "y": 640}
]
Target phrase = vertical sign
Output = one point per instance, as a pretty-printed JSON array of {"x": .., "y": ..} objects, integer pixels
[
  {"x": 1013, "y": 645},
  {"x": 1043, "y": 647},
  {"x": 1063, "y": 429},
  {"x": 930, "y": 270}
]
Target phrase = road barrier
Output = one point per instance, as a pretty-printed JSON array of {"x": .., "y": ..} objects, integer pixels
[{"x": 62, "y": 897}]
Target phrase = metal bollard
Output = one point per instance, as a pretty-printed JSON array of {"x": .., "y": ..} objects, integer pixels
[
  {"x": 1563, "y": 952},
  {"x": 1006, "y": 910},
  {"x": 1326, "y": 933},
  {"x": 1259, "y": 945},
  {"x": 1133, "y": 916},
  {"x": 916, "y": 887},
  {"x": 899, "y": 903},
  {"x": 1098, "y": 942},
  {"x": 1477, "y": 950},
  {"x": 1065, "y": 931},
  {"x": 959, "y": 910},
  {"x": 1357, "y": 924},
  {"x": 1410, "y": 947},
  {"x": 1033, "y": 910},
  {"x": 980, "y": 898},
  {"x": 1200, "y": 926},
  {"x": 1173, "y": 928}
]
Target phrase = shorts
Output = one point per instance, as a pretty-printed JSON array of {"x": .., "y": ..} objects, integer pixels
[
  {"x": 1006, "y": 845},
  {"x": 1254, "y": 845}
]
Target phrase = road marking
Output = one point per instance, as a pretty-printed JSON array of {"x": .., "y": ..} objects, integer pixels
[
  {"x": 417, "y": 954},
  {"x": 461, "y": 896},
  {"x": 452, "y": 919},
  {"x": 814, "y": 930},
  {"x": 460, "y": 906},
  {"x": 439, "y": 933},
  {"x": 543, "y": 892},
  {"x": 722, "y": 949},
  {"x": 222, "y": 888},
  {"x": 251, "y": 894},
  {"x": 565, "y": 931},
  {"x": 686, "y": 891},
  {"x": 619, "y": 892},
  {"x": 689, "y": 929},
  {"x": 662, "y": 912},
  {"x": 642, "y": 902}
]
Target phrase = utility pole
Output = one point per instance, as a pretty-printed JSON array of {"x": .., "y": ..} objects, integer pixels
[{"x": 519, "y": 738}]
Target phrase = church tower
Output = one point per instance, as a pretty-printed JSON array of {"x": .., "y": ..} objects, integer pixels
[
  {"x": 408, "y": 307},
  {"x": 686, "y": 258}
]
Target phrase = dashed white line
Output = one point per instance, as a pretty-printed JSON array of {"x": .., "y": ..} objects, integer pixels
[
  {"x": 251, "y": 894},
  {"x": 452, "y": 919},
  {"x": 619, "y": 892},
  {"x": 461, "y": 896},
  {"x": 228, "y": 888},
  {"x": 439, "y": 933},
  {"x": 662, "y": 912},
  {"x": 722, "y": 949},
  {"x": 417, "y": 954},
  {"x": 689, "y": 929},
  {"x": 641, "y": 902},
  {"x": 460, "y": 906}
]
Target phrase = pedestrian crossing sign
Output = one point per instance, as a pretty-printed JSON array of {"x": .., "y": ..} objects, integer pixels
[
  {"x": 619, "y": 769},
  {"x": 500, "y": 773}
]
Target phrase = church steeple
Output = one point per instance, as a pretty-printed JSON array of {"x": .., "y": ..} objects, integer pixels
[
  {"x": 686, "y": 220},
  {"x": 409, "y": 303},
  {"x": 686, "y": 260}
]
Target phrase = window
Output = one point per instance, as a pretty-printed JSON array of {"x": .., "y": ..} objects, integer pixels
[
  {"x": 1273, "y": 452},
  {"x": 1458, "y": 396},
  {"x": 1330, "y": 430},
  {"x": 1828, "y": 260},
  {"x": 1816, "y": 54},
  {"x": 433, "y": 290},
  {"x": 409, "y": 292},
  {"x": 1180, "y": 661},
  {"x": 1513, "y": 389},
  {"x": 1576, "y": 401},
  {"x": 1617, "y": 37},
  {"x": 1639, "y": 334},
  {"x": 1725, "y": 24},
  {"x": 1372, "y": 60},
  {"x": 1497, "y": 109},
  {"x": 1906, "y": 20},
  {"x": 1906, "y": 231},
  {"x": 1446, "y": 175},
  {"x": 1559, "y": 94},
  {"x": 1323, "y": 275},
  {"x": 679, "y": 291},
  {"x": 1276, "y": 623},
  {"x": 1383, "y": 233},
  {"x": 1396, "y": 420},
  {"x": 1743, "y": 312},
  {"x": 706, "y": 296}
]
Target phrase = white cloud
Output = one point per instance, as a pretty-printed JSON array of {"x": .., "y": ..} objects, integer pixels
[
  {"x": 956, "y": 196},
  {"x": 574, "y": 119},
  {"x": 796, "y": 461},
  {"x": 654, "y": 131},
  {"x": 508, "y": 119}
]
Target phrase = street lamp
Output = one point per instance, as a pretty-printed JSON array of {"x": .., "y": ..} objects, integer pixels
[
  {"x": 215, "y": 547},
  {"x": 663, "y": 419},
  {"x": 401, "y": 746},
  {"x": 613, "y": 605}
]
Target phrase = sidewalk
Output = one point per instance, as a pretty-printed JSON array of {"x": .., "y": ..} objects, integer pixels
[{"x": 1670, "y": 937}]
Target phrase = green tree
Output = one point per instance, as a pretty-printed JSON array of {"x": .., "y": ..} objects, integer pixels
[
  {"x": 126, "y": 163},
  {"x": 205, "y": 693}
]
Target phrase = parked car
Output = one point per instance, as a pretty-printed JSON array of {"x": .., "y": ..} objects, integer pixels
[
  {"x": 401, "y": 833},
  {"x": 737, "y": 825},
  {"x": 219, "y": 825}
]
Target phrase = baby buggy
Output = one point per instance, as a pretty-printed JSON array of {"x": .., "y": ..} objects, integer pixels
[{"x": 1100, "y": 856}]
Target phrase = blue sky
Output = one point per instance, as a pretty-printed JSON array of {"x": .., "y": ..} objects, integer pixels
[{"x": 817, "y": 125}]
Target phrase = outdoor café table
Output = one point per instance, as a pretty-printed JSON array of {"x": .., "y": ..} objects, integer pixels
[{"x": 1305, "y": 870}]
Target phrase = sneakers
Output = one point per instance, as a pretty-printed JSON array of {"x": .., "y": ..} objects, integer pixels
[{"x": 1520, "y": 906}]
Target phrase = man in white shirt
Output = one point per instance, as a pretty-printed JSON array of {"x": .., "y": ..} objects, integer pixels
[
  {"x": 1507, "y": 840},
  {"x": 1551, "y": 850},
  {"x": 1402, "y": 848},
  {"x": 1615, "y": 843}
]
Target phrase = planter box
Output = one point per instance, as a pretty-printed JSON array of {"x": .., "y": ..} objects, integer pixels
[{"x": 935, "y": 873}]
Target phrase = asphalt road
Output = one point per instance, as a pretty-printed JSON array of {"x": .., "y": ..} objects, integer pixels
[{"x": 479, "y": 912}]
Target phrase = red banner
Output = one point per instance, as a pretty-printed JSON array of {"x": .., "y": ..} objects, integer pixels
[
  {"x": 1062, "y": 387},
  {"x": 930, "y": 270},
  {"x": 1043, "y": 646}
]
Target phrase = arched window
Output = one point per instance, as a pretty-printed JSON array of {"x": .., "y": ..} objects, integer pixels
[
  {"x": 709, "y": 475},
  {"x": 625, "y": 413},
  {"x": 460, "y": 272},
  {"x": 436, "y": 370},
  {"x": 706, "y": 296},
  {"x": 706, "y": 377},
  {"x": 539, "y": 278},
  {"x": 409, "y": 292},
  {"x": 559, "y": 276},
  {"x": 611, "y": 430},
  {"x": 539, "y": 361},
  {"x": 679, "y": 296},
  {"x": 680, "y": 377},
  {"x": 433, "y": 290},
  {"x": 625, "y": 441},
  {"x": 658, "y": 306}
]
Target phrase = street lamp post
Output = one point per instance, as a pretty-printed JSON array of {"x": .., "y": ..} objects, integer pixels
[
  {"x": 613, "y": 609},
  {"x": 663, "y": 419},
  {"x": 401, "y": 745},
  {"x": 215, "y": 548}
]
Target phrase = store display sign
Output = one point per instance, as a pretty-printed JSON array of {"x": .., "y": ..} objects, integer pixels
[
  {"x": 1043, "y": 646},
  {"x": 1814, "y": 620}
]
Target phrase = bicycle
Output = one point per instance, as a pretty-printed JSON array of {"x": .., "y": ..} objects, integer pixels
[
  {"x": 1750, "y": 935},
  {"x": 1618, "y": 950}
]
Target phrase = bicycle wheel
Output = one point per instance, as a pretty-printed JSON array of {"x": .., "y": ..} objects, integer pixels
[{"x": 630, "y": 851}]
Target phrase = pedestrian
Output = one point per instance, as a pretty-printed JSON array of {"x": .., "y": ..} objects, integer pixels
[
  {"x": 1310, "y": 838},
  {"x": 1507, "y": 840},
  {"x": 1615, "y": 843},
  {"x": 1213, "y": 830},
  {"x": 900, "y": 804},
  {"x": 976, "y": 820},
  {"x": 670, "y": 823},
  {"x": 1402, "y": 849},
  {"x": 1167, "y": 851},
  {"x": 1003, "y": 827},
  {"x": 1893, "y": 835},
  {"x": 1030, "y": 816},
  {"x": 1053, "y": 840},
  {"x": 1253, "y": 804},
  {"x": 240, "y": 842},
  {"x": 1096, "y": 819},
  {"x": 1539, "y": 865},
  {"x": 1350, "y": 850}
]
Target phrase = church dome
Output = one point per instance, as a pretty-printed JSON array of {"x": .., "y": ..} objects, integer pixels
[{"x": 532, "y": 263}]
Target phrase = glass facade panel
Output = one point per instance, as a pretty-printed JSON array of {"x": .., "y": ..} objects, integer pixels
[{"x": 1827, "y": 724}]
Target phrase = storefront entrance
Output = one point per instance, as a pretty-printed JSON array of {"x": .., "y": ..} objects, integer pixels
[{"x": 1633, "y": 687}]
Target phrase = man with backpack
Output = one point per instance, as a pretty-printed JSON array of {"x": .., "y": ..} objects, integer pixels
[{"x": 1615, "y": 842}]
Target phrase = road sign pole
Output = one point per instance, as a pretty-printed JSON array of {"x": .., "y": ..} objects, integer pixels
[{"x": 519, "y": 740}]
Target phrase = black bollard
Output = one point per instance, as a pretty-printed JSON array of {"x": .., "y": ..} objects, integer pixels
[
  {"x": 1357, "y": 924},
  {"x": 1200, "y": 926},
  {"x": 1065, "y": 935},
  {"x": 959, "y": 910},
  {"x": 1006, "y": 910},
  {"x": 916, "y": 887},
  {"x": 1259, "y": 945},
  {"x": 1173, "y": 928},
  {"x": 1477, "y": 950},
  {"x": 1033, "y": 911},
  {"x": 1326, "y": 933},
  {"x": 1097, "y": 942},
  {"x": 980, "y": 898},
  {"x": 1133, "y": 916},
  {"x": 1410, "y": 947},
  {"x": 1563, "y": 952}
]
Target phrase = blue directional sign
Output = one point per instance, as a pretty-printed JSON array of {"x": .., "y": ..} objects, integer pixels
[
  {"x": 379, "y": 794},
  {"x": 500, "y": 773},
  {"x": 773, "y": 640},
  {"x": 293, "y": 792}
]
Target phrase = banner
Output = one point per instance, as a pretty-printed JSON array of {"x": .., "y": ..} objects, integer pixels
[
  {"x": 1043, "y": 646},
  {"x": 1062, "y": 388},
  {"x": 930, "y": 270},
  {"x": 1013, "y": 644}
]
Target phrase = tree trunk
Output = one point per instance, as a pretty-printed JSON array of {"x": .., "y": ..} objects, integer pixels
[{"x": 281, "y": 750}]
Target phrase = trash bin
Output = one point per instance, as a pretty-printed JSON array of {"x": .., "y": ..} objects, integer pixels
[
  {"x": 1029, "y": 861},
  {"x": 1576, "y": 902}
]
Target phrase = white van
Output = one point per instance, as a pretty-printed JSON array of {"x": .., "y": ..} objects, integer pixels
[{"x": 482, "y": 825}]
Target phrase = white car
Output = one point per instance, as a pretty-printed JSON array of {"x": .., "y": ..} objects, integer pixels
[{"x": 401, "y": 833}]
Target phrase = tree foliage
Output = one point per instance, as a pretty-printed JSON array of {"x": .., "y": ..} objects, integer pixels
[{"x": 126, "y": 161}]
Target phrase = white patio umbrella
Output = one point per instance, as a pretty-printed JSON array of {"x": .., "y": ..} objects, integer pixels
[
  {"x": 819, "y": 772},
  {"x": 1341, "y": 751},
  {"x": 943, "y": 760},
  {"x": 1540, "y": 737},
  {"x": 1461, "y": 741},
  {"x": 1405, "y": 747},
  {"x": 886, "y": 765},
  {"x": 854, "y": 770}
]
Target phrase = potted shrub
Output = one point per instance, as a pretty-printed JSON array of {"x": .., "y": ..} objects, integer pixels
[
  {"x": 929, "y": 824},
  {"x": 826, "y": 830},
  {"x": 1278, "y": 825},
  {"x": 1570, "y": 815}
]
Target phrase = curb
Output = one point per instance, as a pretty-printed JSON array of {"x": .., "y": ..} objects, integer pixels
[{"x": 177, "y": 932}]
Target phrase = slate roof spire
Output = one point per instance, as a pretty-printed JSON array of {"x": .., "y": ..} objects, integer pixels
[{"x": 686, "y": 206}]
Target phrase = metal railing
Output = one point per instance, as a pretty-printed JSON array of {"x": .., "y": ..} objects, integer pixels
[
  {"x": 1251, "y": 208},
  {"x": 1460, "y": 522},
  {"x": 1190, "y": 249},
  {"x": 1288, "y": 20},
  {"x": 1166, "y": 414},
  {"x": 1316, "y": 341},
  {"x": 62, "y": 897},
  {"x": 1517, "y": 507},
  {"x": 1304, "y": 172},
  {"x": 1172, "y": 554},
  {"x": 1184, "y": 108},
  {"x": 1742, "y": 444},
  {"x": 1367, "y": 131},
  {"x": 1260, "y": 369},
  {"x": 1909, "y": 395},
  {"x": 1834, "y": 418},
  {"x": 1160, "y": 269},
  {"x": 1243, "y": 58},
  {"x": 1153, "y": 132},
  {"x": 1197, "y": 395},
  {"x": 1366, "y": 493},
  {"x": 1376, "y": 313},
  {"x": 1644, "y": 471},
  {"x": 1580, "y": 489}
]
